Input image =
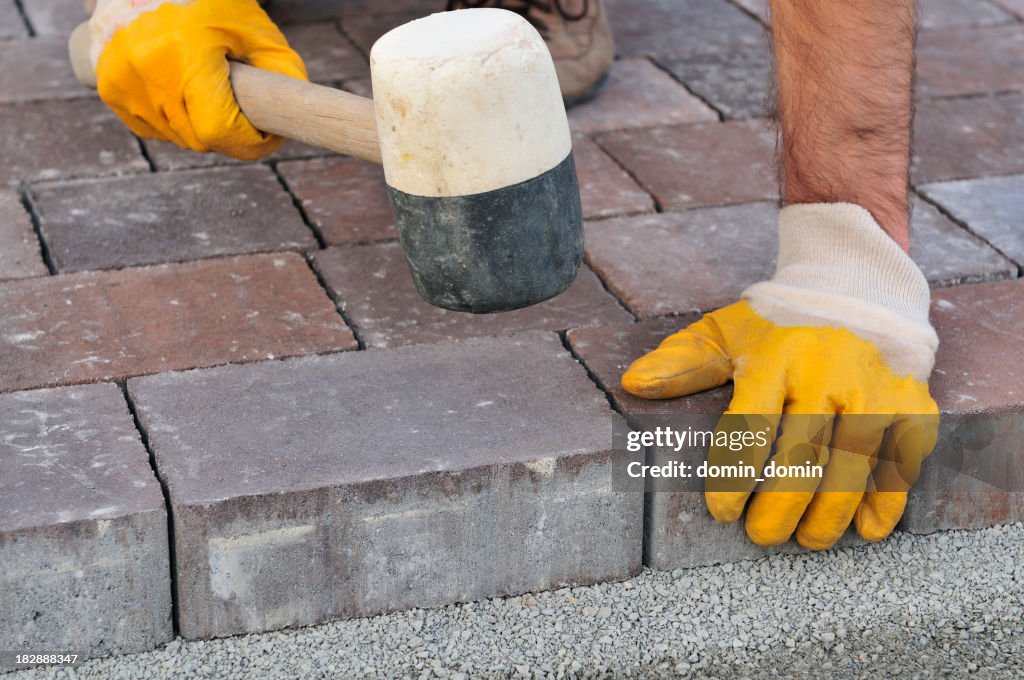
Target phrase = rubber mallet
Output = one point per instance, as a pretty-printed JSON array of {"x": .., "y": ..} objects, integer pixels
[{"x": 468, "y": 121}]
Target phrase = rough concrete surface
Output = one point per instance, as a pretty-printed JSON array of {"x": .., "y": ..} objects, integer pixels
[
  {"x": 83, "y": 529},
  {"x": 354, "y": 484}
]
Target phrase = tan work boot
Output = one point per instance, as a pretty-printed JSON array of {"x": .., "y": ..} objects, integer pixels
[{"x": 576, "y": 32}]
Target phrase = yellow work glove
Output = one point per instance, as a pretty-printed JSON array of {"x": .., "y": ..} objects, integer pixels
[
  {"x": 162, "y": 66},
  {"x": 832, "y": 357}
]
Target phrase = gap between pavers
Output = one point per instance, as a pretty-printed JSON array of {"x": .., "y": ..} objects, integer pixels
[
  {"x": 354, "y": 484},
  {"x": 83, "y": 527},
  {"x": 979, "y": 328}
]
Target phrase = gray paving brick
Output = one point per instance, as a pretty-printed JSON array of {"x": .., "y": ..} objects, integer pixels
[
  {"x": 669, "y": 27},
  {"x": 993, "y": 208},
  {"x": 352, "y": 484},
  {"x": 950, "y": 13},
  {"x": 328, "y": 56},
  {"x": 49, "y": 140},
  {"x": 375, "y": 289},
  {"x": 736, "y": 82},
  {"x": 38, "y": 68},
  {"x": 19, "y": 249},
  {"x": 950, "y": 255},
  {"x": 978, "y": 326},
  {"x": 83, "y": 529},
  {"x": 54, "y": 17},
  {"x": 167, "y": 217},
  {"x": 11, "y": 23}
]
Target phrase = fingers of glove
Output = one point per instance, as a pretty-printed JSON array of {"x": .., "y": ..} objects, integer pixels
[
  {"x": 852, "y": 455},
  {"x": 686, "y": 362},
  {"x": 905, "y": 446},
  {"x": 789, "y": 479},
  {"x": 756, "y": 407}
]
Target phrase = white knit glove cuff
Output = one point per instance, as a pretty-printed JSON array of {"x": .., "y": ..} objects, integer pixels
[{"x": 837, "y": 268}]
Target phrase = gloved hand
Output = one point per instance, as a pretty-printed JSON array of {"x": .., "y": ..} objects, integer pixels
[
  {"x": 161, "y": 65},
  {"x": 837, "y": 346}
]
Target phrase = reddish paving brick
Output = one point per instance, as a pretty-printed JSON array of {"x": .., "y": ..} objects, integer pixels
[
  {"x": 672, "y": 263},
  {"x": 966, "y": 138},
  {"x": 54, "y": 17},
  {"x": 11, "y": 23},
  {"x": 605, "y": 188},
  {"x": 429, "y": 475},
  {"x": 98, "y": 326},
  {"x": 979, "y": 328},
  {"x": 38, "y": 69},
  {"x": 373, "y": 286},
  {"x": 737, "y": 83},
  {"x": 345, "y": 198},
  {"x": 670, "y": 27},
  {"x": 688, "y": 166},
  {"x": 949, "y": 255},
  {"x": 83, "y": 528},
  {"x": 968, "y": 61},
  {"x": 19, "y": 249},
  {"x": 65, "y": 139},
  {"x": 950, "y": 13},
  {"x": 329, "y": 57},
  {"x": 638, "y": 94},
  {"x": 993, "y": 208},
  {"x": 167, "y": 217}
]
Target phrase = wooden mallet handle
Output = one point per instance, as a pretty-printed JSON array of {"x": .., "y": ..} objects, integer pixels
[{"x": 313, "y": 114}]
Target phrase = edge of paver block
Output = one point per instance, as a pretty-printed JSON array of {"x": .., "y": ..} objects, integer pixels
[
  {"x": 93, "y": 582},
  {"x": 455, "y": 529}
]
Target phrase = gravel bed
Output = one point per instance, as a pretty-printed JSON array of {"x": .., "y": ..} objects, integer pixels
[{"x": 945, "y": 605}]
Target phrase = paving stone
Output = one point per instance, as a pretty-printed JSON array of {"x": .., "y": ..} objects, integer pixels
[
  {"x": 11, "y": 23},
  {"x": 993, "y": 208},
  {"x": 949, "y": 255},
  {"x": 345, "y": 198},
  {"x": 967, "y": 61},
  {"x": 299, "y": 11},
  {"x": 673, "y": 28},
  {"x": 167, "y": 217},
  {"x": 329, "y": 57},
  {"x": 639, "y": 94},
  {"x": 698, "y": 260},
  {"x": 672, "y": 263},
  {"x": 965, "y": 138},
  {"x": 759, "y": 9},
  {"x": 979, "y": 327},
  {"x": 364, "y": 29},
  {"x": 494, "y": 480},
  {"x": 377, "y": 294},
  {"x": 97, "y": 326},
  {"x": 605, "y": 188},
  {"x": 737, "y": 83},
  {"x": 949, "y": 13},
  {"x": 687, "y": 166},
  {"x": 19, "y": 249},
  {"x": 1014, "y": 6},
  {"x": 362, "y": 7},
  {"x": 64, "y": 139},
  {"x": 83, "y": 529},
  {"x": 55, "y": 17},
  {"x": 38, "y": 68}
]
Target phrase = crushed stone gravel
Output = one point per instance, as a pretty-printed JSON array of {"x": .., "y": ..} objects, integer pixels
[{"x": 944, "y": 605}]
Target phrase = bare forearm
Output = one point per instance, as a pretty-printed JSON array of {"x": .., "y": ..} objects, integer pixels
[{"x": 845, "y": 104}]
